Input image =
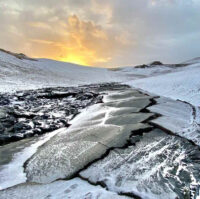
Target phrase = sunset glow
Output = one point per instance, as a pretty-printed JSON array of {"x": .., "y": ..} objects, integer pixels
[
  {"x": 101, "y": 33},
  {"x": 76, "y": 59}
]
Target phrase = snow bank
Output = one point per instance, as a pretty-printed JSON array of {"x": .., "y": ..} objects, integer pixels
[{"x": 183, "y": 85}]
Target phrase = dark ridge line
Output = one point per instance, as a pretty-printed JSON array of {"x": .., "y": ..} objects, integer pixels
[
  {"x": 193, "y": 108},
  {"x": 18, "y": 55},
  {"x": 153, "y": 117},
  {"x": 152, "y": 102}
]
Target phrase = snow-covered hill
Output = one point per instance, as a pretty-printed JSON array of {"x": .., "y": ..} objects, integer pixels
[
  {"x": 179, "y": 81},
  {"x": 19, "y": 74},
  {"x": 182, "y": 83}
]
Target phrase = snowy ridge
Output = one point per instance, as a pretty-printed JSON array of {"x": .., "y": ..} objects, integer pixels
[{"x": 20, "y": 74}]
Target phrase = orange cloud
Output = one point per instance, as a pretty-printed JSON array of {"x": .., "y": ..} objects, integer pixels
[
  {"x": 78, "y": 41},
  {"x": 88, "y": 43}
]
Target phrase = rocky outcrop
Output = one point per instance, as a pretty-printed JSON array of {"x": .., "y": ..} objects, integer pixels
[{"x": 29, "y": 113}]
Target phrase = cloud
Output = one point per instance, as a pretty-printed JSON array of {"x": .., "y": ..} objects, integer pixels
[
  {"x": 89, "y": 43},
  {"x": 103, "y": 33}
]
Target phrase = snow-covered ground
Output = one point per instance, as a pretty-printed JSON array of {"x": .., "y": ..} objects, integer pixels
[
  {"x": 75, "y": 188},
  {"x": 13, "y": 173},
  {"x": 181, "y": 83},
  {"x": 182, "y": 118},
  {"x": 111, "y": 143},
  {"x": 21, "y": 74}
]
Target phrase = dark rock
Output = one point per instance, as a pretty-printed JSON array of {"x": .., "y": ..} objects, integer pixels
[
  {"x": 21, "y": 126},
  {"x": 142, "y": 66},
  {"x": 34, "y": 112},
  {"x": 156, "y": 63}
]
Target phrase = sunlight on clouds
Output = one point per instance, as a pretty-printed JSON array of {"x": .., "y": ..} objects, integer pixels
[
  {"x": 81, "y": 42},
  {"x": 87, "y": 43},
  {"x": 76, "y": 59},
  {"x": 38, "y": 25},
  {"x": 102, "y": 33}
]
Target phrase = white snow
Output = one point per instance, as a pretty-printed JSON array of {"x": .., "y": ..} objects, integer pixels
[
  {"x": 145, "y": 72},
  {"x": 176, "y": 83},
  {"x": 176, "y": 115},
  {"x": 75, "y": 188},
  {"x": 183, "y": 84},
  {"x": 17, "y": 74},
  {"x": 13, "y": 173}
]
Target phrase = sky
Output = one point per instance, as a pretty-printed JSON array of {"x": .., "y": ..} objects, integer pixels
[{"x": 104, "y": 33}]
